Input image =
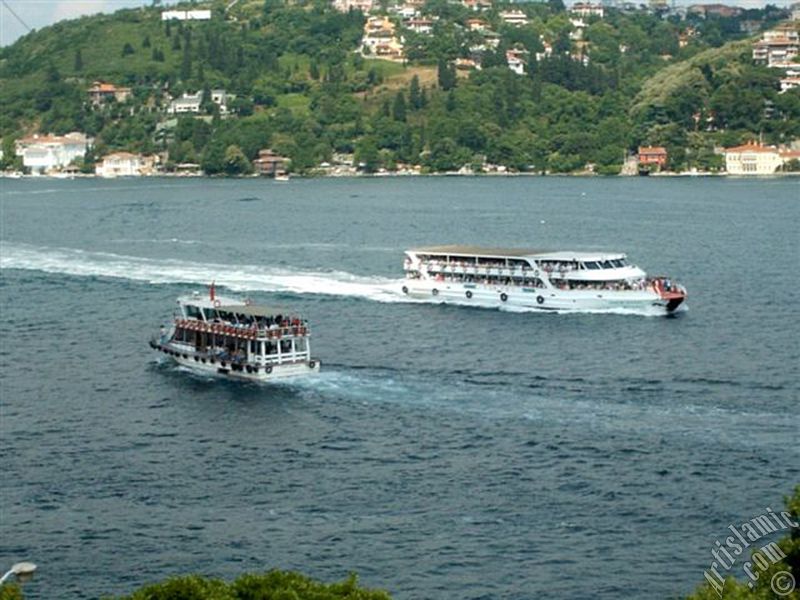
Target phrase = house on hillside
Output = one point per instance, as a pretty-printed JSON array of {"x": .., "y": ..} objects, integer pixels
[
  {"x": 381, "y": 40},
  {"x": 46, "y": 153},
  {"x": 186, "y": 15},
  {"x": 188, "y": 103},
  {"x": 365, "y": 6},
  {"x": 587, "y": 9},
  {"x": 516, "y": 18},
  {"x": 101, "y": 92}
]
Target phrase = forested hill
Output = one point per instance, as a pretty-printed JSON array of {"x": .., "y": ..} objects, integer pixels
[{"x": 593, "y": 88}]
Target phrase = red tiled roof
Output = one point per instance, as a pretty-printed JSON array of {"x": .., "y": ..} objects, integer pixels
[
  {"x": 652, "y": 150},
  {"x": 750, "y": 147}
]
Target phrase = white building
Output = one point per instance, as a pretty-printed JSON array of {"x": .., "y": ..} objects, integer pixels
[
  {"x": 752, "y": 159},
  {"x": 517, "y": 18},
  {"x": 43, "y": 153},
  {"x": 789, "y": 83},
  {"x": 188, "y": 103},
  {"x": 120, "y": 164},
  {"x": 587, "y": 9},
  {"x": 186, "y": 15},
  {"x": 516, "y": 60},
  {"x": 365, "y": 6}
]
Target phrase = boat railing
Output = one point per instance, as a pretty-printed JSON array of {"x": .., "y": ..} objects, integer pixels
[
  {"x": 472, "y": 269},
  {"x": 224, "y": 358},
  {"x": 297, "y": 328}
]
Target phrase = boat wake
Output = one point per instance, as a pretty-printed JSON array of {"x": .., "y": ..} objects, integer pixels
[{"x": 237, "y": 278}]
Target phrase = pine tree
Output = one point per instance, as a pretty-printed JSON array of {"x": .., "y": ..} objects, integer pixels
[
  {"x": 446, "y": 74},
  {"x": 78, "y": 60},
  {"x": 399, "y": 107},
  {"x": 414, "y": 96}
]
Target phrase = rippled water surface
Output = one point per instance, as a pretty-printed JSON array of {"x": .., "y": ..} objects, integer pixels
[{"x": 445, "y": 452}]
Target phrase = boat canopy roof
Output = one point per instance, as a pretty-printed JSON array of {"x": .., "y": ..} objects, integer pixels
[
  {"x": 229, "y": 305},
  {"x": 472, "y": 251}
]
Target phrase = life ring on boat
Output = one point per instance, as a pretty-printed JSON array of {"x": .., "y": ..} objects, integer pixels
[
  {"x": 468, "y": 294},
  {"x": 405, "y": 290},
  {"x": 268, "y": 369},
  {"x": 503, "y": 296},
  {"x": 435, "y": 292},
  {"x": 540, "y": 299},
  {"x": 217, "y": 303},
  {"x": 312, "y": 364}
]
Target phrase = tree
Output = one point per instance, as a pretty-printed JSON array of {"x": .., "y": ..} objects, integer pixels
[
  {"x": 446, "y": 75},
  {"x": 366, "y": 154},
  {"x": 78, "y": 66},
  {"x": 399, "y": 107},
  {"x": 236, "y": 162},
  {"x": 127, "y": 49},
  {"x": 146, "y": 42},
  {"x": 414, "y": 95},
  {"x": 213, "y": 161}
]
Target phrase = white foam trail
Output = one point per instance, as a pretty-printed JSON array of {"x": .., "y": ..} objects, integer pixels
[{"x": 239, "y": 278}]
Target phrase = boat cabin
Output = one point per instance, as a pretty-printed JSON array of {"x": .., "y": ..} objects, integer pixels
[{"x": 232, "y": 332}]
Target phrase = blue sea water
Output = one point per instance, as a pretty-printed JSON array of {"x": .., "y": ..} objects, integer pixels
[{"x": 444, "y": 452}]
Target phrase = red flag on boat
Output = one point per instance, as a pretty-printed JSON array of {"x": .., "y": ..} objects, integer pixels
[{"x": 212, "y": 292}]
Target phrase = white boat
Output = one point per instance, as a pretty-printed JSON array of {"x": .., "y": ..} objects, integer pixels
[
  {"x": 236, "y": 339},
  {"x": 577, "y": 281}
]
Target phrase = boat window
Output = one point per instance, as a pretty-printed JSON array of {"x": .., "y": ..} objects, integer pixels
[
  {"x": 617, "y": 263},
  {"x": 192, "y": 312},
  {"x": 607, "y": 264},
  {"x": 300, "y": 345},
  {"x": 591, "y": 265}
]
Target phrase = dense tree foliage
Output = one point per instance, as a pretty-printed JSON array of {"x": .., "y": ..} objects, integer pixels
[{"x": 300, "y": 86}]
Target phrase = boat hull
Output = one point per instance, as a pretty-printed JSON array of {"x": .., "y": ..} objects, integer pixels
[
  {"x": 202, "y": 365},
  {"x": 545, "y": 299}
]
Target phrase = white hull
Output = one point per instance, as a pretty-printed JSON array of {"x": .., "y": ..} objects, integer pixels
[
  {"x": 226, "y": 370},
  {"x": 493, "y": 296}
]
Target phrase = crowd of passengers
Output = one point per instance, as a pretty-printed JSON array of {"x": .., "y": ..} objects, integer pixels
[
  {"x": 602, "y": 285},
  {"x": 251, "y": 322}
]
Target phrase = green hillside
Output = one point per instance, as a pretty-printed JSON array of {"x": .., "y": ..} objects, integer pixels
[{"x": 303, "y": 88}]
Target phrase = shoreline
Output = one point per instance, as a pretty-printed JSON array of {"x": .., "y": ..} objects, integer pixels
[{"x": 686, "y": 174}]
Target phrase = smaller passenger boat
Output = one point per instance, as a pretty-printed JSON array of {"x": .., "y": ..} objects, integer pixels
[{"x": 237, "y": 339}]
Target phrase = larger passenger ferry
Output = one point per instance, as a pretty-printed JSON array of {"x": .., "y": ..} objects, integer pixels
[
  {"x": 536, "y": 279},
  {"x": 237, "y": 339}
]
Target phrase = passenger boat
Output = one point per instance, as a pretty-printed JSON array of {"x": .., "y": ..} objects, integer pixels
[
  {"x": 237, "y": 339},
  {"x": 536, "y": 279}
]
